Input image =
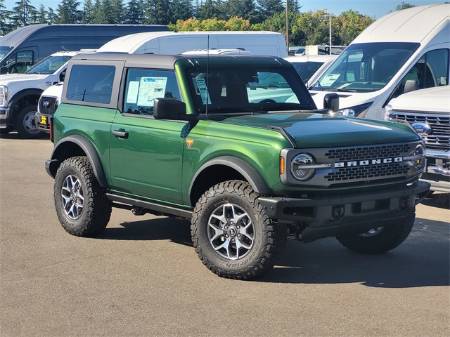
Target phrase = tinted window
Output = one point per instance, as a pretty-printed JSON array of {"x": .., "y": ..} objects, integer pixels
[
  {"x": 365, "y": 67},
  {"x": 143, "y": 86},
  {"x": 306, "y": 69},
  {"x": 430, "y": 71},
  {"x": 240, "y": 89},
  {"x": 91, "y": 83},
  {"x": 49, "y": 65}
]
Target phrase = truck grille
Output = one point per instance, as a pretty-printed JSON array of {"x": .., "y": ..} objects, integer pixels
[
  {"x": 439, "y": 138},
  {"x": 365, "y": 169},
  {"x": 48, "y": 105}
]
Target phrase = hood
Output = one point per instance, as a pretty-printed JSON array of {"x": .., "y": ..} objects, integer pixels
[
  {"x": 12, "y": 78},
  {"x": 313, "y": 130},
  {"x": 435, "y": 99}
]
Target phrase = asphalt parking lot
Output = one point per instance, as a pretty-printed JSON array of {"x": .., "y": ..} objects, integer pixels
[{"x": 142, "y": 277}]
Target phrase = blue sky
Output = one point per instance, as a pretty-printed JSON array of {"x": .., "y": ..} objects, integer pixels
[{"x": 374, "y": 8}]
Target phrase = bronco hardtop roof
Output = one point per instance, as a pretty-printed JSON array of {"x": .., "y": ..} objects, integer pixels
[{"x": 168, "y": 61}]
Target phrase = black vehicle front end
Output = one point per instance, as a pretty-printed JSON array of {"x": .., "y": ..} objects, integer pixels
[{"x": 348, "y": 189}]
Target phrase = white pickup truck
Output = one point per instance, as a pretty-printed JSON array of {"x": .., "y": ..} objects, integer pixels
[
  {"x": 19, "y": 93},
  {"x": 428, "y": 112}
]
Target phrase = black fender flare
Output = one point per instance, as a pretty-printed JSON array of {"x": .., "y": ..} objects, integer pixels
[
  {"x": 88, "y": 149},
  {"x": 245, "y": 169},
  {"x": 17, "y": 97}
]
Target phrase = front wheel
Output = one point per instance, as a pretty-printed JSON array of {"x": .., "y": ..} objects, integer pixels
[
  {"x": 379, "y": 239},
  {"x": 26, "y": 124},
  {"x": 231, "y": 232},
  {"x": 81, "y": 204}
]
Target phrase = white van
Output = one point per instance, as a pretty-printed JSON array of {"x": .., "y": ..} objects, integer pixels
[
  {"x": 171, "y": 43},
  {"x": 401, "y": 52}
]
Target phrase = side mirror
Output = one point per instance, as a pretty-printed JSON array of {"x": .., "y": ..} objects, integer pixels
[
  {"x": 331, "y": 102},
  {"x": 169, "y": 108},
  {"x": 410, "y": 85},
  {"x": 62, "y": 76}
]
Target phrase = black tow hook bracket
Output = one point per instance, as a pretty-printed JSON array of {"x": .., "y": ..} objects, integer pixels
[
  {"x": 338, "y": 212},
  {"x": 138, "y": 211}
]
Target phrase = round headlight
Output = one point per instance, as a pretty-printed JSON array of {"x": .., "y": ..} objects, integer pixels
[
  {"x": 419, "y": 153},
  {"x": 299, "y": 168}
]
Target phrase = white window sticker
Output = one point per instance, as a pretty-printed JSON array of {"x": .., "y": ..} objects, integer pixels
[
  {"x": 329, "y": 80},
  {"x": 151, "y": 88},
  {"x": 133, "y": 91},
  {"x": 202, "y": 89}
]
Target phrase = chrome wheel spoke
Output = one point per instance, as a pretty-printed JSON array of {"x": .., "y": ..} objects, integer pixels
[
  {"x": 230, "y": 231},
  {"x": 72, "y": 197}
]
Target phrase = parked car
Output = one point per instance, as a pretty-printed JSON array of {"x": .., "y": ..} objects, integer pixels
[
  {"x": 182, "y": 136},
  {"x": 428, "y": 112},
  {"x": 170, "y": 43},
  {"x": 25, "y": 46},
  {"x": 401, "y": 52},
  {"x": 21, "y": 92},
  {"x": 307, "y": 66},
  {"x": 47, "y": 105}
]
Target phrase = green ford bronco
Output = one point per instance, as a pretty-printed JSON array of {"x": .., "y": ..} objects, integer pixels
[{"x": 236, "y": 145}]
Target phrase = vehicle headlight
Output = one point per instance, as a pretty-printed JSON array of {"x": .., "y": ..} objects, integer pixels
[
  {"x": 299, "y": 166},
  {"x": 3, "y": 95},
  {"x": 356, "y": 110},
  {"x": 419, "y": 154}
]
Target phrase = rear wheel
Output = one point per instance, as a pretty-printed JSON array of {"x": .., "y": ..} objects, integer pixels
[
  {"x": 26, "y": 124},
  {"x": 379, "y": 239},
  {"x": 81, "y": 204},
  {"x": 231, "y": 232}
]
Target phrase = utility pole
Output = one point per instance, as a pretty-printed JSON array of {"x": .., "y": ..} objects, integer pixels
[
  {"x": 329, "y": 16},
  {"x": 287, "y": 24}
]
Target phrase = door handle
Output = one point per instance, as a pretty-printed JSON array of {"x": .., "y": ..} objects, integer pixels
[{"x": 121, "y": 133}]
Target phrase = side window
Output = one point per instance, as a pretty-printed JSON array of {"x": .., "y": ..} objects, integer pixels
[
  {"x": 91, "y": 83},
  {"x": 270, "y": 87},
  {"x": 430, "y": 71},
  {"x": 143, "y": 86},
  {"x": 24, "y": 60}
]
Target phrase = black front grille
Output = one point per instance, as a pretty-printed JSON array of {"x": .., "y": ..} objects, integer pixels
[
  {"x": 368, "y": 152},
  {"x": 367, "y": 162},
  {"x": 48, "y": 105},
  {"x": 439, "y": 138}
]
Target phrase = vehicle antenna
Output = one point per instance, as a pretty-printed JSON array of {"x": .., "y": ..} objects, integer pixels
[{"x": 207, "y": 76}]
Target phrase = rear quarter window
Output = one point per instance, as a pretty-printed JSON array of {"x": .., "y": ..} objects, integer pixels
[{"x": 91, "y": 83}]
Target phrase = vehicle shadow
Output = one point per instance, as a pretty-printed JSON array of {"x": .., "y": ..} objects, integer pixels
[
  {"x": 439, "y": 200},
  {"x": 423, "y": 260},
  {"x": 15, "y": 135}
]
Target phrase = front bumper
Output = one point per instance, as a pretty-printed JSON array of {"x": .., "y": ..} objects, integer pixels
[
  {"x": 4, "y": 112},
  {"x": 43, "y": 121},
  {"x": 328, "y": 216},
  {"x": 437, "y": 172}
]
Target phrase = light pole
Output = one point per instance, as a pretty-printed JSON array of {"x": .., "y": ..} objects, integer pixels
[
  {"x": 329, "y": 26},
  {"x": 287, "y": 24}
]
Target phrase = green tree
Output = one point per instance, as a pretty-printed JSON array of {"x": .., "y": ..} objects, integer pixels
[
  {"x": 116, "y": 12},
  {"x": 181, "y": 10},
  {"x": 23, "y": 12},
  {"x": 157, "y": 12},
  {"x": 68, "y": 12},
  {"x": 52, "y": 17},
  {"x": 349, "y": 25},
  {"x": 5, "y": 25},
  {"x": 41, "y": 16},
  {"x": 134, "y": 12},
  {"x": 403, "y": 5},
  {"x": 211, "y": 9},
  {"x": 245, "y": 9},
  {"x": 88, "y": 12},
  {"x": 268, "y": 8},
  {"x": 99, "y": 14}
]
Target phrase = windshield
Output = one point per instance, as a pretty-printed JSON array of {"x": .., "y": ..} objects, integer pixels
[
  {"x": 4, "y": 51},
  {"x": 306, "y": 69},
  {"x": 49, "y": 65},
  {"x": 365, "y": 67},
  {"x": 250, "y": 89}
]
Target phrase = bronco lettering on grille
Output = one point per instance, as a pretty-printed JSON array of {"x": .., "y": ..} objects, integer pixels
[{"x": 368, "y": 162}]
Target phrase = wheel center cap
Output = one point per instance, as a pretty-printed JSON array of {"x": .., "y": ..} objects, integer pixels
[{"x": 232, "y": 231}]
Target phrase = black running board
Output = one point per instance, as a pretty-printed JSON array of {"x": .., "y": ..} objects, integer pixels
[{"x": 151, "y": 206}]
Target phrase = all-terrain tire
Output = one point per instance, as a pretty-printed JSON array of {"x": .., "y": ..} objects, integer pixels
[
  {"x": 96, "y": 210},
  {"x": 259, "y": 258},
  {"x": 25, "y": 122},
  {"x": 387, "y": 238}
]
